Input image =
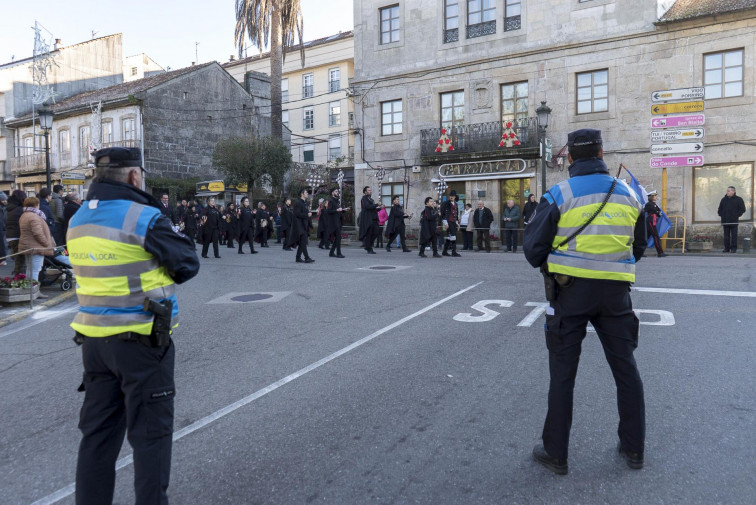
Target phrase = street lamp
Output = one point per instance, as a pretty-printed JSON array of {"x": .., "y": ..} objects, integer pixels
[
  {"x": 45, "y": 122},
  {"x": 544, "y": 115}
]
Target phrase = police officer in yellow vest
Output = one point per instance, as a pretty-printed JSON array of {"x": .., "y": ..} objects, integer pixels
[
  {"x": 588, "y": 280},
  {"x": 126, "y": 258}
]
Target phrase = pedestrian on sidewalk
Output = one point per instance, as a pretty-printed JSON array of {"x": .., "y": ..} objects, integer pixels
[
  {"x": 13, "y": 232},
  {"x": 3, "y": 224},
  {"x": 125, "y": 329},
  {"x": 301, "y": 226},
  {"x": 35, "y": 234},
  {"x": 511, "y": 218},
  {"x": 467, "y": 227},
  {"x": 653, "y": 212},
  {"x": 730, "y": 209}
]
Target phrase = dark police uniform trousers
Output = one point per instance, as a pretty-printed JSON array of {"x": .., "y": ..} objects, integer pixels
[
  {"x": 129, "y": 389},
  {"x": 608, "y": 307}
]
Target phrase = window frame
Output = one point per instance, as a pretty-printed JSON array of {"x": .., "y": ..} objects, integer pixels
[
  {"x": 284, "y": 92},
  {"x": 308, "y": 90},
  {"x": 124, "y": 122},
  {"x": 749, "y": 203},
  {"x": 592, "y": 86},
  {"x": 393, "y": 30},
  {"x": 285, "y": 123},
  {"x": 454, "y": 123},
  {"x": 331, "y": 139},
  {"x": 109, "y": 124},
  {"x": 723, "y": 74},
  {"x": 334, "y": 119},
  {"x": 308, "y": 148},
  {"x": 334, "y": 85},
  {"x": 393, "y": 124},
  {"x": 392, "y": 187},
  {"x": 84, "y": 149},
  {"x": 67, "y": 131},
  {"x": 516, "y": 22},
  {"x": 451, "y": 34},
  {"x": 514, "y": 100},
  {"x": 311, "y": 111}
]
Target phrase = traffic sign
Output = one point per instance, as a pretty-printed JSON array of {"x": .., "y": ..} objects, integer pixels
[
  {"x": 683, "y": 147},
  {"x": 677, "y": 94},
  {"x": 678, "y": 121},
  {"x": 72, "y": 177},
  {"x": 677, "y": 161},
  {"x": 675, "y": 108},
  {"x": 687, "y": 134}
]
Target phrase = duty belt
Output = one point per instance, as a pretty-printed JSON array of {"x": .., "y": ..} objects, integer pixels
[{"x": 127, "y": 336}]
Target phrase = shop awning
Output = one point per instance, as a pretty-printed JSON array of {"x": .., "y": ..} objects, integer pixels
[{"x": 207, "y": 193}]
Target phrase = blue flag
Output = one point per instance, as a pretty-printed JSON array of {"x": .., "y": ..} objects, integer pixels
[{"x": 663, "y": 224}]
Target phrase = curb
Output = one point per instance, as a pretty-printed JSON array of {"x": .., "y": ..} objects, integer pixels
[{"x": 44, "y": 305}]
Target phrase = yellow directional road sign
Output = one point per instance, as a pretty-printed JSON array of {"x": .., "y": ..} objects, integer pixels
[{"x": 673, "y": 108}]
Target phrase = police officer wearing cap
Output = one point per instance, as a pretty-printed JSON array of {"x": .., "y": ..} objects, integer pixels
[
  {"x": 127, "y": 259},
  {"x": 588, "y": 271}
]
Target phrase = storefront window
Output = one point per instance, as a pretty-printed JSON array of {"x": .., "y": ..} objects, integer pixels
[{"x": 710, "y": 184}]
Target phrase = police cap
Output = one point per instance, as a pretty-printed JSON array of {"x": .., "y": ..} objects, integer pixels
[
  {"x": 584, "y": 137},
  {"x": 118, "y": 157}
]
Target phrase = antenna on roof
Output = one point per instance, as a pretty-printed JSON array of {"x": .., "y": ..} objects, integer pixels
[
  {"x": 94, "y": 34},
  {"x": 196, "y": 58}
]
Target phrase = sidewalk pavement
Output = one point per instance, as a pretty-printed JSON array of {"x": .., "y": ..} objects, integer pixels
[{"x": 12, "y": 312}]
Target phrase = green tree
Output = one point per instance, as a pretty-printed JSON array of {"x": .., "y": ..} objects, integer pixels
[
  {"x": 277, "y": 20},
  {"x": 250, "y": 160}
]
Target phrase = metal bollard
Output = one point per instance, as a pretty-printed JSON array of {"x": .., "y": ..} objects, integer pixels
[{"x": 746, "y": 245}]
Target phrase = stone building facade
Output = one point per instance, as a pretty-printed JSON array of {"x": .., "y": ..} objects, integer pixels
[
  {"x": 176, "y": 117},
  {"x": 471, "y": 67}
]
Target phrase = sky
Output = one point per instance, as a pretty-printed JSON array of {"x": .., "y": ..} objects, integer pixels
[{"x": 166, "y": 30}]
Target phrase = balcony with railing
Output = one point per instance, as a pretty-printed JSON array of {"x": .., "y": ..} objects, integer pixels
[
  {"x": 481, "y": 141},
  {"x": 28, "y": 163},
  {"x": 122, "y": 143}
]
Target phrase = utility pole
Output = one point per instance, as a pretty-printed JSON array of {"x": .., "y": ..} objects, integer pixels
[{"x": 196, "y": 58}]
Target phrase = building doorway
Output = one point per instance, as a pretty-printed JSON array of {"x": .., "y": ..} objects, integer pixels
[{"x": 517, "y": 190}]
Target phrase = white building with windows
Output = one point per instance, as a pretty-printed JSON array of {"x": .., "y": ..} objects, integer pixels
[
  {"x": 316, "y": 106},
  {"x": 467, "y": 69}
]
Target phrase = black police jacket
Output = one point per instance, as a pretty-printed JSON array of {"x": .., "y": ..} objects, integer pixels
[{"x": 173, "y": 250}]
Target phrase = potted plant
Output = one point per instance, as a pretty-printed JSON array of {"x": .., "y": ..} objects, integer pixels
[
  {"x": 410, "y": 239},
  {"x": 495, "y": 241},
  {"x": 699, "y": 243},
  {"x": 344, "y": 239},
  {"x": 16, "y": 289}
]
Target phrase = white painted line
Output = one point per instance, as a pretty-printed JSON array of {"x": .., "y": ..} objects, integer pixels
[
  {"x": 40, "y": 316},
  {"x": 540, "y": 308},
  {"x": 703, "y": 292},
  {"x": 197, "y": 425}
]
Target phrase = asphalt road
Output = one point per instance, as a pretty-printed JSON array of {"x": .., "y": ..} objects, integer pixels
[{"x": 352, "y": 386}]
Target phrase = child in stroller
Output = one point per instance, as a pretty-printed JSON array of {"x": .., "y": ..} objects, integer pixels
[{"x": 57, "y": 268}]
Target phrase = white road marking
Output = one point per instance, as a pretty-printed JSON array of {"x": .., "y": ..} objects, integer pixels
[
  {"x": 40, "y": 316},
  {"x": 197, "y": 425},
  {"x": 540, "y": 308},
  {"x": 666, "y": 318},
  {"x": 703, "y": 292},
  {"x": 488, "y": 314}
]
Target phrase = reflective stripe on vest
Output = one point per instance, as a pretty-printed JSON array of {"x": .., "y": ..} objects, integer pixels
[
  {"x": 604, "y": 249},
  {"x": 113, "y": 271}
]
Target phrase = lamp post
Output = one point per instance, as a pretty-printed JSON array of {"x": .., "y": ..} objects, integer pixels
[
  {"x": 45, "y": 122},
  {"x": 544, "y": 115}
]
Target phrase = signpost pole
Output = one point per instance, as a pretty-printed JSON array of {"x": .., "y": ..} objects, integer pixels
[{"x": 664, "y": 201}]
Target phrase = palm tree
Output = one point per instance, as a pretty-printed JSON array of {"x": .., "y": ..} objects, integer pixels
[{"x": 277, "y": 19}]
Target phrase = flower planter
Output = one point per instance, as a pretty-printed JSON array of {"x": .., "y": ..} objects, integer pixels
[
  {"x": 11, "y": 295},
  {"x": 411, "y": 243},
  {"x": 699, "y": 246}
]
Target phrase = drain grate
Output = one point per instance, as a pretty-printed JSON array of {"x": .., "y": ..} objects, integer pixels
[
  {"x": 261, "y": 297},
  {"x": 254, "y": 297}
]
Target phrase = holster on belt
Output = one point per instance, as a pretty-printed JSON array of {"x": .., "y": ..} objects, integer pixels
[
  {"x": 550, "y": 285},
  {"x": 161, "y": 326}
]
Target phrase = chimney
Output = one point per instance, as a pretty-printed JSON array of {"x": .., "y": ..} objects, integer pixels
[
  {"x": 57, "y": 43},
  {"x": 193, "y": 63}
]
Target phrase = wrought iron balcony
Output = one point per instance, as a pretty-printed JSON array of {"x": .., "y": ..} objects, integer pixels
[
  {"x": 451, "y": 35},
  {"x": 481, "y": 138},
  {"x": 512, "y": 23},
  {"x": 481, "y": 29},
  {"x": 122, "y": 143}
]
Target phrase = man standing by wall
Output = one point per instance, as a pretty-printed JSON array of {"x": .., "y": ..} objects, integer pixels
[
  {"x": 730, "y": 209},
  {"x": 482, "y": 220},
  {"x": 128, "y": 355},
  {"x": 511, "y": 218},
  {"x": 588, "y": 280}
]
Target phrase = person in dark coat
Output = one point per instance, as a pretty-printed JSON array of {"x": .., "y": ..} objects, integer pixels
[
  {"x": 322, "y": 226},
  {"x": 210, "y": 228},
  {"x": 511, "y": 218},
  {"x": 450, "y": 218},
  {"x": 190, "y": 222},
  {"x": 482, "y": 220},
  {"x": 262, "y": 224},
  {"x": 13, "y": 230},
  {"x": 232, "y": 225},
  {"x": 428, "y": 228},
  {"x": 287, "y": 222},
  {"x": 653, "y": 212},
  {"x": 166, "y": 209},
  {"x": 300, "y": 229},
  {"x": 69, "y": 209},
  {"x": 3, "y": 223},
  {"x": 246, "y": 226},
  {"x": 368, "y": 219},
  {"x": 334, "y": 222},
  {"x": 277, "y": 219},
  {"x": 395, "y": 225},
  {"x": 45, "y": 197},
  {"x": 730, "y": 209},
  {"x": 529, "y": 208}
]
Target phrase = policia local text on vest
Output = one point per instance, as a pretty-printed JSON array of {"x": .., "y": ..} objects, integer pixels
[
  {"x": 595, "y": 268},
  {"x": 127, "y": 259}
]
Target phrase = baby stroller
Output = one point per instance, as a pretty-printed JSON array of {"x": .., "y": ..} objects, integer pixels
[{"x": 57, "y": 268}]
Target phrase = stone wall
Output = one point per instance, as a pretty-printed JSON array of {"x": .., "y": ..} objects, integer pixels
[{"x": 186, "y": 117}]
